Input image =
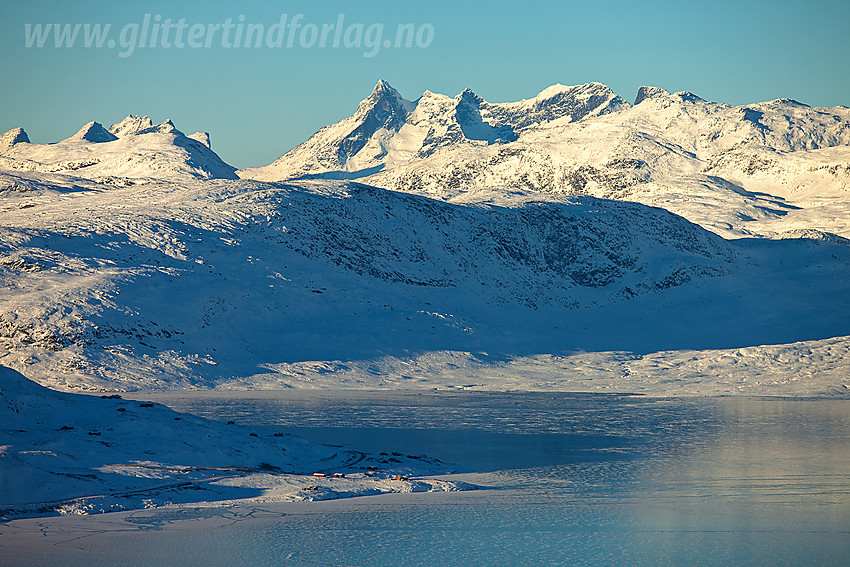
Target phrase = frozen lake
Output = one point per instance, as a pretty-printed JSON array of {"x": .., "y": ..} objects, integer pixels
[{"x": 567, "y": 480}]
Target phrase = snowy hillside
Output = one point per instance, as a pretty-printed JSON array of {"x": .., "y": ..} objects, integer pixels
[
  {"x": 77, "y": 454},
  {"x": 760, "y": 169},
  {"x": 131, "y": 150},
  {"x": 240, "y": 283}
]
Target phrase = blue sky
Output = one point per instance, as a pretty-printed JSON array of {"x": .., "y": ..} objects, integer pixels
[{"x": 258, "y": 102}]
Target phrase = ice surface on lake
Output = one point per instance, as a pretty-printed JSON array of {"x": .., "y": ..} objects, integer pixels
[{"x": 571, "y": 480}]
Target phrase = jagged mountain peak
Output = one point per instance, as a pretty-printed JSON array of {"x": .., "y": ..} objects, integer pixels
[
  {"x": 383, "y": 88},
  {"x": 134, "y": 125},
  {"x": 93, "y": 132},
  {"x": 383, "y": 95},
  {"x": 666, "y": 97},
  {"x": 384, "y": 106},
  {"x": 131, "y": 125},
  {"x": 468, "y": 95},
  {"x": 390, "y": 128},
  {"x": 12, "y": 137},
  {"x": 384, "y": 109},
  {"x": 687, "y": 96},
  {"x": 469, "y": 100},
  {"x": 167, "y": 127},
  {"x": 647, "y": 92},
  {"x": 634, "y": 145},
  {"x": 468, "y": 114}
]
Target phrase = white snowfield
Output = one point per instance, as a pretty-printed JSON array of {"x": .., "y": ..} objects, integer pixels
[{"x": 569, "y": 242}]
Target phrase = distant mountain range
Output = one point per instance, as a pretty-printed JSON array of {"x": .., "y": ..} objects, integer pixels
[
  {"x": 736, "y": 170},
  {"x": 132, "y": 148}
]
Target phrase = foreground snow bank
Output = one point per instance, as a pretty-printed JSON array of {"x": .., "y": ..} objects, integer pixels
[{"x": 76, "y": 454}]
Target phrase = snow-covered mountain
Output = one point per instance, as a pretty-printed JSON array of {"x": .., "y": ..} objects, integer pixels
[
  {"x": 237, "y": 283},
  {"x": 388, "y": 130},
  {"x": 133, "y": 149},
  {"x": 480, "y": 230},
  {"x": 759, "y": 169}
]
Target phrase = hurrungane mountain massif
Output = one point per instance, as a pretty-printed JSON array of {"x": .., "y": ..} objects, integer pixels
[{"x": 572, "y": 241}]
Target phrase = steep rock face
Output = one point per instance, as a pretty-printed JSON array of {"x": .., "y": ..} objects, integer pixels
[
  {"x": 646, "y": 92},
  {"x": 468, "y": 113},
  {"x": 333, "y": 147},
  {"x": 383, "y": 110}
]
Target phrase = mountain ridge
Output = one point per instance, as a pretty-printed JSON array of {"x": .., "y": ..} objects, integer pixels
[
  {"x": 133, "y": 148},
  {"x": 421, "y": 127},
  {"x": 757, "y": 169}
]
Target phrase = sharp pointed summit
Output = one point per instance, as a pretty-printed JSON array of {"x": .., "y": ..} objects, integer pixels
[
  {"x": 93, "y": 132},
  {"x": 383, "y": 88},
  {"x": 385, "y": 109}
]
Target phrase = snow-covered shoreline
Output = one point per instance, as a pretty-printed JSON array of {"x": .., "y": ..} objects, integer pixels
[{"x": 64, "y": 453}]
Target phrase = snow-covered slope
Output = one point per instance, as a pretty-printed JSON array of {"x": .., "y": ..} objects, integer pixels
[
  {"x": 134, "y": 148},
  {"x": 236, "y": 283},
  {"x": 759, "y": 169},
  {"x": 76, "y": 454}
]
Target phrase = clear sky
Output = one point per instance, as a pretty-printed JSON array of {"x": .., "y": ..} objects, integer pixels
[{"x": 259, "y": 101}]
